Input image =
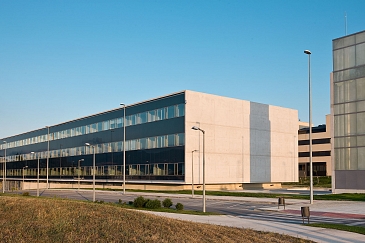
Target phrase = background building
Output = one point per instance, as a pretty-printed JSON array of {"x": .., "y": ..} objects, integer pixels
[
  {"x": 246, "y": 144},
  {"x": 321, "y": 149},
  {"x": 348, "y": 113}
]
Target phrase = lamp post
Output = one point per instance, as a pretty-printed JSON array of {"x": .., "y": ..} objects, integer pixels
[
  {"x": 310, "y": 125},
  {"x": 23, "y": 174},
  {"x": 111, "y": 146},
  {"x": 4, "y": 168},
  {"x": 37, "y": 174},
  {"x": 198, "y": 129},
  {"x": 78, "y": 173},
  {"x": 47, "y": 186},
  {"x": 123, "y": 148},
  {"x": 192, "y": 172},
  {"x": 93, "y": 146}
]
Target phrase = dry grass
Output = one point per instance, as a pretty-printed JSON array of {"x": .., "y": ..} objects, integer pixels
[{"x": 28, "y": 219}]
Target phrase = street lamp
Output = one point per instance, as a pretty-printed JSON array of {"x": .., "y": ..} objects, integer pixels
[
  {"x": 310, "y": 126},
  {"x": 78, "y": 172},
  {"x": 123, "y": 148},
  {"x": 47, "y": 186},
  {"x": 4, "y": 168},
  {"x": 23, "y": 174},
  {"x": 192, "y": 172},
  {"x": 198, "y": 129},
  {"x": 37, "y": 175},
  {"x": 93, "y": 146}
]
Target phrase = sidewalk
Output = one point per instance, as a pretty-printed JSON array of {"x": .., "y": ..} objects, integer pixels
[
  {"x": 341, "y": 209},
  {"x": 335, "y": 209},
  {"x": 300, "y": 231}
]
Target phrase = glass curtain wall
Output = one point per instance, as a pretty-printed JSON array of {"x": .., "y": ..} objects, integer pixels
[{"x": 349, "y": 102}]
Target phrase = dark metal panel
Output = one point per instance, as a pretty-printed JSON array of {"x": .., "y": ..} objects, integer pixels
[{"x": 350, "y": 179}]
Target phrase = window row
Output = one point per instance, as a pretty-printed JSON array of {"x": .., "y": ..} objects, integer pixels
[
  {"x": 351, "y": 90},
  {"x": 315, "y": 141},
  {"x": 349, "y": 124},
  {"x": 350, "y": 158},
  {"x": 163, "y": 141},
  {"x": 113, "y": 170},
  {"x": 351, "y": 141},
  {"x": 135, "y": 119},
  {"x": 349, "y": 57}
]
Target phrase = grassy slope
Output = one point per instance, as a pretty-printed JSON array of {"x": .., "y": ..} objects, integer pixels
[{"x": 29, "y": 219}]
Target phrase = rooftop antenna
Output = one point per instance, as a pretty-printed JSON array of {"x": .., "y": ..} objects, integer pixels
[{"x": 345, "y": 23}]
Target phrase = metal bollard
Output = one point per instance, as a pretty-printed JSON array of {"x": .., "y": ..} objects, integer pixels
[
  {"x": 305, "y": 213},
  {"x": 281, "y": 202}
]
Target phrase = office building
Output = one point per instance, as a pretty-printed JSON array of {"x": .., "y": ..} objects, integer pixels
[
  {"x": 348, "y": 113},
  {"x": 321, "y": 149},
  {"x": 246, "y": 144}
]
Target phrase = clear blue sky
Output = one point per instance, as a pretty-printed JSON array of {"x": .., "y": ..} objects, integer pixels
[{"x": 61, "y": 60}]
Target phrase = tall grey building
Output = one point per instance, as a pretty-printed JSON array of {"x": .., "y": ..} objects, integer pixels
[{"x": 348, "y": 111}]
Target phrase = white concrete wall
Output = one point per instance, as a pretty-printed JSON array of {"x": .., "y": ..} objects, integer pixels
[{"x": 245, "y": 142}]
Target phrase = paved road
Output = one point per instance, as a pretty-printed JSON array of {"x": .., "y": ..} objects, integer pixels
[{"x": 256, "y": 210}]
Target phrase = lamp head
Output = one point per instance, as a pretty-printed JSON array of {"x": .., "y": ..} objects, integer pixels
[
  {"x": 195, "y": 128},
  {"x": 308, "y": 52},
  {"x": 87, "y": 144}
]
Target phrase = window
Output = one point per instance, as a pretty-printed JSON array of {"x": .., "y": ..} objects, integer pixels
[
  {"x": 151, "y": 116},
  {"x": 160, "y": 141},
  {"x": 152, "y": 142},
  {"x": 131, "y": 120},
  {"x": 133, "y": 144},
  {"x": 113, "y": 123},
  {"x": 170, "y": 112},
  {"x": 170, "y": 140},
  {"x": 180, "y": 110},
  {"x": 160, "y": 114},
  {"x": 143, "y": 117},
  {"x": 143, "y": 143},
  {"x": 106, "y": 125},
  {"x": 180, "y": 139},
  {"x": 170, "y": 169},
  {"x": 73, "y": 133},
  {"x": 119, "y": 122}
]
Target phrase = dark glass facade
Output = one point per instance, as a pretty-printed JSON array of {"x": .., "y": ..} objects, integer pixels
[{"x": 155, "y": 145}]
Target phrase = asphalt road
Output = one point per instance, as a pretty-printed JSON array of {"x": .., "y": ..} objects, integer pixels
[{"x": 242, "y": 209}]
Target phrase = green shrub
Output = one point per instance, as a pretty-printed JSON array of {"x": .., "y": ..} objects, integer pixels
[
  {"x": 145, "y": 202},
  {"x": 120, "y": 201},
  {"x": 167, "y": 203},
  {"x": 179, "y": 206},
  {"x": 130, "y": 202},
  {"x": 139, "y": 202},
  {"x": 26, "y": 194},
  {"x": 152, "y": 204}
]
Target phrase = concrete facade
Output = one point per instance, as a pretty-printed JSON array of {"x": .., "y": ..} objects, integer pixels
[
  {"x": 321, "y": 150},
  {"x": 245, "y": 142}
]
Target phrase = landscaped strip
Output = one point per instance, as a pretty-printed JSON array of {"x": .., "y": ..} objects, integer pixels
[
  {"x": 335, "y": 197},
  {"x": 349, "y": 228}
]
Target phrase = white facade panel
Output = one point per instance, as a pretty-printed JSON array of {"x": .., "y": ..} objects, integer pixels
[{"x": 245, "y": 142}]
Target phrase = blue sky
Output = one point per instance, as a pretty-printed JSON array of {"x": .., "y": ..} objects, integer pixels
[{"x": 61, "y": 60}]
